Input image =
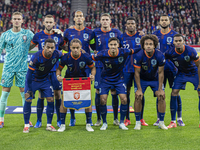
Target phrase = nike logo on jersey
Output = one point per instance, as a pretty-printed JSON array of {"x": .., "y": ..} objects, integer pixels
[
  {"x": 98, "y": 35},
  {"x": 72, "y": 35},
  {"x": 41, "y": 39},
  {"x": 69, "y": 64}
]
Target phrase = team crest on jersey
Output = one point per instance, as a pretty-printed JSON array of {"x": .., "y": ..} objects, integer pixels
[
  {"x": 187, "y": 58},
  {"x": 76, "y": 95},
  {"x": 120, "y": 59},
  {"x": 145, "y": 67},
  {"x": 54, "y": 61},
  {"x": 85, "y": 36},
  {"x": 169, "y": 40},
  {"x": 56, "y": 39},
  {"x": 82, "y": 64},
  {"x": 137, "y": 41},
  {"x": 153, "y": 62},
  {"x": 24, "y": 37},
  {"x": 112, "y": 34}
]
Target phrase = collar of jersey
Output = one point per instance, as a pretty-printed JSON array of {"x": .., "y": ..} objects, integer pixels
[
  {"x": 147, "y": 55},
  {"x": 165, "y": 33},
  {"x": 111, "y": 55},
  {"x": 105, "y": 31},
  {"x": 182, "y": 51},
  {"x": 78, "y": 29},
  {"x": 74, "y": 57},
  {"x": 130, "y": 34},
  {"x": 47, "y": 33},
  {"x": 44, "y": 55}
]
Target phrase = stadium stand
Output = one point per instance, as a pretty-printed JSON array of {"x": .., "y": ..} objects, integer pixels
[
  {"x": 184, "y": 15},
  {"x": 34, "y": 11}
]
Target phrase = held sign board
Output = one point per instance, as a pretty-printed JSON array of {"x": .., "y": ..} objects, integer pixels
[{"x": 77, "y": 93}]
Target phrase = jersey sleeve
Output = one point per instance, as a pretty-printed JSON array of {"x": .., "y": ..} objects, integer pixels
[
  {"x": 35, "y": 39},
  {"x": 194, "y": 55},
  {"x": 66, "y": 40},
  {"x": 33, "y": 63},
  {"x": 89, "y": 61},
  {"x": 137, "y": 60},
  {"x": 62, "y": 61},
  {"x": 161, "y": 59},
  {"x": 2, "y": 42},
  {"x": 136, "y": 50},
  {"x": 97, "y": 56},
  {"x": 62, "y": 42}
]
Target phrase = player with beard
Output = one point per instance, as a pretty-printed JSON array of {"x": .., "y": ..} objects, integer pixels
[
  {"x": 39, "y": 39},
  {"x": 102, "y": 35},
  {"x": 86, "y": 36},
  {"x": 165, "y": 36},
  {"x": 131, "y": 39}
]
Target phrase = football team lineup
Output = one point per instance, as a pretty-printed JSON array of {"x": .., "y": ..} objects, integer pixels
[{"x": 121, "y": 60}]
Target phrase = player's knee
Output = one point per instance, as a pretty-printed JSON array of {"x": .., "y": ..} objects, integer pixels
[
  {"x": 124, "y": 101},
  {"x": 174, "y": 92},
  {"x": 103, "y": 101},
  {"x": 50, "y": 99}
]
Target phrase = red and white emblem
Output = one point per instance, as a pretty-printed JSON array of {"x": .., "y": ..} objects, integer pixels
[{"x": 76, "y": 95}]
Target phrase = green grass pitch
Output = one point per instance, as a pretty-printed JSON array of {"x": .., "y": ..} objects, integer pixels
[{"x": 12, "y": 137}]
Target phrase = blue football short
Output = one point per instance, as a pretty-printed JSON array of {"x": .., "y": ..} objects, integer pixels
[
  {"x": 128, "y": 79},
  {"x": 7, "y": 79},
  {"x": 181, "y": 80},
  {"x": 144, "y": 84},
  {"x": 120, "y": 87},
  {"x": 44, "y": 87},
  {"x": 54, "y": 81}
]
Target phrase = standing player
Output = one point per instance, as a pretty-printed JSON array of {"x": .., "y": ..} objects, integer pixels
[
  {"x": 16, "y": 42},
  {"x": 76, "y": 63},
  {"x": 102, "y": 35},
  {"x": 39, "y": 39},
  {"x": 86, "y": 37},
  {"x": 39, "y": 78},
  {"x": 187, "y": 61},
  {"x": 113, "y": 60},
  {"x": 131, "y": 39},
  {"x": 165, "y": 36},
  {"x": 149, "y": 71}
]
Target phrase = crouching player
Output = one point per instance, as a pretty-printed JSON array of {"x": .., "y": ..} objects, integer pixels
[
  {"x": 149, "y": 71},
  {"x": 113, "y": 60},
  {"x": 187, "y": 61},
  {"x": 38, "y": 78},
  {"x": 76, "y": 62}
]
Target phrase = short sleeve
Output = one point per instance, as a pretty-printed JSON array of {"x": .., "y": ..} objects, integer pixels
[
  {"x": 89, "y": 61},
  {"x": 33, "y": 62},
  {"x": 161, "y": 59},
  {"x": 97, "y": 56},
  {"x": 35, "y": 39},
  {"x": 137, "y": 60},
  {"x": 62, "y": 61},
  {"x": 66, "y": 36},
  {"x": 194, "y": 55}
]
